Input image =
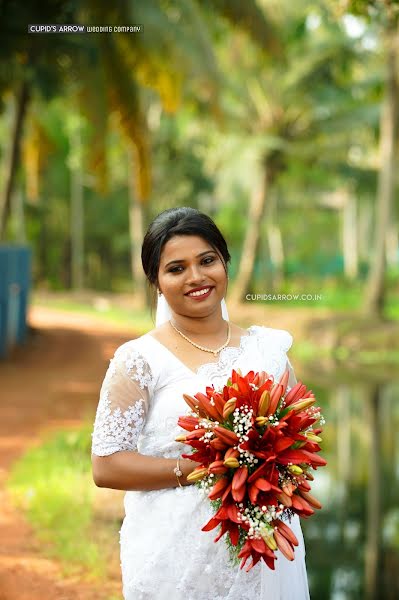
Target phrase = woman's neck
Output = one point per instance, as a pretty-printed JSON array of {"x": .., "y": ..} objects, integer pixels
[{"x": 212, "y": 325}]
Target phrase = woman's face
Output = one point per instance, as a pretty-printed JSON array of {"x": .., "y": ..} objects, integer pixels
[{"x": 191, "y": 276}]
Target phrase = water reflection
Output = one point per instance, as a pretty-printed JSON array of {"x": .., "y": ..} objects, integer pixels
[{"x": 353, "y": 543}]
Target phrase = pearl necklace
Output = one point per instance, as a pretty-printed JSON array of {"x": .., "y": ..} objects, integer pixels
[{"x": 214, "y": 352}]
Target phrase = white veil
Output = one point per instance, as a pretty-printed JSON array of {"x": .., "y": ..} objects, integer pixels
[{"x": 164, "y": 313}]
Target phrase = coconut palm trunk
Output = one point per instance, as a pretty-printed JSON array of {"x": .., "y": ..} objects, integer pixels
[
  {"x": 275, "y": 242},
  {"x": 22, "y": 100},
  {"x": 375, "y": 288},
  {"x": 252, "y": 235},
  {"x": 136, "y": 232}
]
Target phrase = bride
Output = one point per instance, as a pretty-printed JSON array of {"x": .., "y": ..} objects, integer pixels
[{"x": 164, "y": 553}]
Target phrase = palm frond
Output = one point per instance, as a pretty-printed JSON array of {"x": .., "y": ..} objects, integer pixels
[
  {"x": 250, "y": 18},
  {"x": 175, "y": 47},
  {"x": 94, "y": 107},
  {"x": 124, "y": 97},
  {"x": 36, "y": 148}
]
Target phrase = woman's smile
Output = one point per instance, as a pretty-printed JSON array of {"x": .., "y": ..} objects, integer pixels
[{"x": 200, "y": 293}]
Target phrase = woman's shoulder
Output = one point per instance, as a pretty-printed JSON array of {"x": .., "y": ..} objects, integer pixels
[
  {"x": 138, "y": 351},
  {"x": 281, "y": 337},
  {"x": 137, "y": 360}
]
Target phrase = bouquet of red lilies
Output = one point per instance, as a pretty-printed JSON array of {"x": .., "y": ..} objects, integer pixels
[{"x": 256, "y": 446}]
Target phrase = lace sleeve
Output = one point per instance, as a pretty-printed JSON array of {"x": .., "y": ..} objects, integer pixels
[{"x": 123, "y": 404}]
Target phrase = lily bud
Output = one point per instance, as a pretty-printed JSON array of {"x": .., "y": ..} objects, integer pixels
[
  {"x": 217, "y": 444},
  {"x": 197, "y": 474},
  {"x": 295, "y": 470},
  {"x": 284, "y": 499},
  {"x": 269, "y": 539},
  {"x": 312, "y": 437},
  {"x": 264, "y": 403},
  {"x": 227, "y": 436},
  {"x": 261, "y": 421},
  {"x": 231, "y": 462},
  {"x": 181, "y": 438},
  {"x": 238, "y": 493},
  {"x": 218, "y": 489},
  {"x": 231, "y": 453},
  {"x": 229, "y": 407},
  {"x": 217, "y": 467},
  {"x": 284, "y": 380},
  {"x": 192, "y": 402},
  {"x": 284, "y": 545},
  {"x": 302, "y": 404},
  {"x": 304, "y": 485},
  {"x": 288, "y": 488},
  {"x": 311, "y": 499}
]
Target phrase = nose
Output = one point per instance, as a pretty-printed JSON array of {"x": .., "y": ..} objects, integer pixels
[{"x": 194, "y": 274}]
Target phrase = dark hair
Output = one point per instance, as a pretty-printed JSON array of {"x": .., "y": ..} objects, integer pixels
[{"x": 182, "y": 220}]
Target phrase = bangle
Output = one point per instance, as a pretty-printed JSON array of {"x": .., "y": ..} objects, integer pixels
[{"x": 177, "y": 471}]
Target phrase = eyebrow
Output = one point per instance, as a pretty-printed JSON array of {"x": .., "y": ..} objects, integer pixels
[{"x": 181, "y": 260}]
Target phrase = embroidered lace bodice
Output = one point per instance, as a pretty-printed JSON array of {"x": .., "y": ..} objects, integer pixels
[
  {"x": 139, "y": 374},
  {"x": 164, "y": 553}
]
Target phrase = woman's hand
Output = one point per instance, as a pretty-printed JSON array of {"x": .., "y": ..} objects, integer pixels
[
  {"x": 128, "y": 470},
  {"x": 187, "y": 466}
]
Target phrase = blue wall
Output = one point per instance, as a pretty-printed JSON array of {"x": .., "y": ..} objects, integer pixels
[{"x": 15, "y": 280}]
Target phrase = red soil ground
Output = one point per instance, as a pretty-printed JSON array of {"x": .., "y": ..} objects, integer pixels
[{"x": 52, "y": 382}]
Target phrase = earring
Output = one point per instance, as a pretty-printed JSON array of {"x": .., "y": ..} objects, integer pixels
[{"x": 159, "y": 293}]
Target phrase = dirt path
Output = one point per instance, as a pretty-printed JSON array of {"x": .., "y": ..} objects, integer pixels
[{"x": 52, "y": 382}]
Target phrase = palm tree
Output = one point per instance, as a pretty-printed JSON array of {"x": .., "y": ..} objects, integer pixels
[{"x": 283, "y": 103}]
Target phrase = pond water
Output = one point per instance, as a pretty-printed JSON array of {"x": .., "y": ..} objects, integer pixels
[{"x": 353, "y": 542}]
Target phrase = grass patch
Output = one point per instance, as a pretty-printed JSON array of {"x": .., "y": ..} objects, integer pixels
[
  {"x": 53, "y": 485},
  {"x": 139, "y": 320}
]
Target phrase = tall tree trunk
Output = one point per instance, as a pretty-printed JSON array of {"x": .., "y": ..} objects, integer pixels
[
  {"x": 248, "y": 256},
  {"x": 77, "y": 210},
  {"x": 136, "y": 231},
  {"x": 22, "y": 100},
  {"x": 375, "y": 289},
  {"x": 275, "y": 243},
  {"x": 349, "y": 237}
]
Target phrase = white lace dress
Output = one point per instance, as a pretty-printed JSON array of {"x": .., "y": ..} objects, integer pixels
[{"x": 164, "y": 553}]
